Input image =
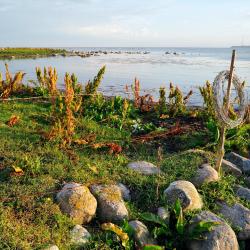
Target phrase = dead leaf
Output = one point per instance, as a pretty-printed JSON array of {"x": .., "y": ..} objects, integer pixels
[
  {"x": 80, "y": 141},
  {"x": 94, "y": 169},
  {"x": 13, "y": 120},
  {"x": 164, "y": 116},
  {"x": 17, "y": 171}
]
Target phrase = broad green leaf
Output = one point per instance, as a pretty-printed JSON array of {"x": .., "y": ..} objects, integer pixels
[
  {"x": 154, "y": 218},
  {"x": 152, "y": 247}
]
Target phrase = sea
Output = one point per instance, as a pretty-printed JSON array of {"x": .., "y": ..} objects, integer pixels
[{"x": 188, "y": 68}]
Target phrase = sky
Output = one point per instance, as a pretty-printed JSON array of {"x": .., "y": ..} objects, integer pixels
[{"x": 127, "y": 23}]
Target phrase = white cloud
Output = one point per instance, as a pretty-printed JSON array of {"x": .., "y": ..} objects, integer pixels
[{"x": 112, "y": 31}]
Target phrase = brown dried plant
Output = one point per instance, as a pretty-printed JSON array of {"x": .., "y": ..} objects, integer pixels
[
  {"x": 14, "y": 119},
  {"x": 143, "y": 103},
  {"x": 136, "y": 92},
  {"x": 68, "y": 104},
  {"x": 69, "y": 97},
  {"x": 10, "y": 84}
]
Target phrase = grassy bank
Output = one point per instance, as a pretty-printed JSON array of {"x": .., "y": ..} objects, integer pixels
[
  {"x": 30, "y": 218},
  {"x": 67, "y": 137},
  {"x": 9, "y": 53}
]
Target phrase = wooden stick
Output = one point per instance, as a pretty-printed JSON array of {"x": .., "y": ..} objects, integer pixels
[
  {"x": 230, "y": 79},
  {"x": 221, "y": 150}
]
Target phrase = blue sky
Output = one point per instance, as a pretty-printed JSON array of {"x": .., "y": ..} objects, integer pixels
[{"x": 213, "y": 23}]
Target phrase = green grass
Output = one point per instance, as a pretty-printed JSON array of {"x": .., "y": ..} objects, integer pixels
[
  {"x": 6, "y": 53},
  {"x": 29, "y": 216}
]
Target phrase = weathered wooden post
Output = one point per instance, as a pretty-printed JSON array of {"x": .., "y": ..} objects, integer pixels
[{"x": 222, "y": 105}]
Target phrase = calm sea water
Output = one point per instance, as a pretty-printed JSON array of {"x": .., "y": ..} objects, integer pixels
[{"x": 190, "y": 68}]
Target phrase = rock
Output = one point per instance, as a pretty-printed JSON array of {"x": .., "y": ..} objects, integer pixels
[
  {"x": 79, "y": 236},
  {"x": 111, "y": 207},
  {"x": 124, "y": 191},
  {"x": 144, "y": 167},
  {"x": 238, "y": 216},
  {"x": 76, "y": 201},
  {"x": 243, "y": 192},
  {"x": 141, "y": 234},
  {"x": 240, "y": 161},
  {"x": 229, "y": 167},
  {"x": 52, "y": 247},
  {"x": 247, "y": 181},
  {"x": 186, "y": 192},
  {"x": 221, "y": 237},
  {"x": 163, "y": 213},
  {"x": 205, "y": 174}
]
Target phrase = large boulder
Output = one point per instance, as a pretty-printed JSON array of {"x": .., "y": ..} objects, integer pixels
[
  {"x": 141, "y": 234},
  {"x": 247, "y": 181},
  {"x": 124, "y": 191},
  {"x": 221, "y": 237},
  {"x": 144, "y": 167},
  {"x": 77, "y": 202},
  {"x": 186, "y": 192},
  {"x": 229, "y": 167},
  {"x": 111, "y": 207},
  {"x": 240, "y": 161},
  {"x": 79, "y": 236},
  {"x": 238, "y": 216},
  {"x": 242, "y": 192},
  {"x": 205, "y": 174}
]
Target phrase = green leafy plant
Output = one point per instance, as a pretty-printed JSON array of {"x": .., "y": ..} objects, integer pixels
[
  {"x": 92, "y": 86},
  {"x": 238, "y": 139},
  {"x": 162, "y": 106},
  {"x": 207, "y": 93},
  {"x": 175, "y": 233},
  {"x": 213, "y": 128},
  {"x": 177, "y": 101},
  {"x": 123, "y": 233}
]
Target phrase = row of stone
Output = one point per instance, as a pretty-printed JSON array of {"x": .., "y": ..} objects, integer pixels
[
  {"x": 233, "y": 163},
  {"x": 81, "y": 204}
]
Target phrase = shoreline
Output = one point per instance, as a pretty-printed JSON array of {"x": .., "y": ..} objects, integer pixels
[{"x": 33, "y": 53}]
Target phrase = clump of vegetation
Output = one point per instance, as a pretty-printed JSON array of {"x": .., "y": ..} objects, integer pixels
[
  {"x": 162, "y": 105},
  {"x": 175, "y": 233},
  {"x": 48, "y": 83},
  {"x": 98, "y": 136},
  {"x": 207, "y": 93},
  {"x": 11, "y": 84},
  {"x": 142, "y": 103},
  {"x": 113, "y": 111},
  {"x": 92, "y": 86},
  {"x": 67, "y": 105},
  {"x": 177, "y": 101}
]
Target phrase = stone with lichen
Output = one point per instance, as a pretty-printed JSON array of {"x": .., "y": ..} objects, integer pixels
[
  {"x": 77, "y": 202},
  {"x": 111, "y": 207}
]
